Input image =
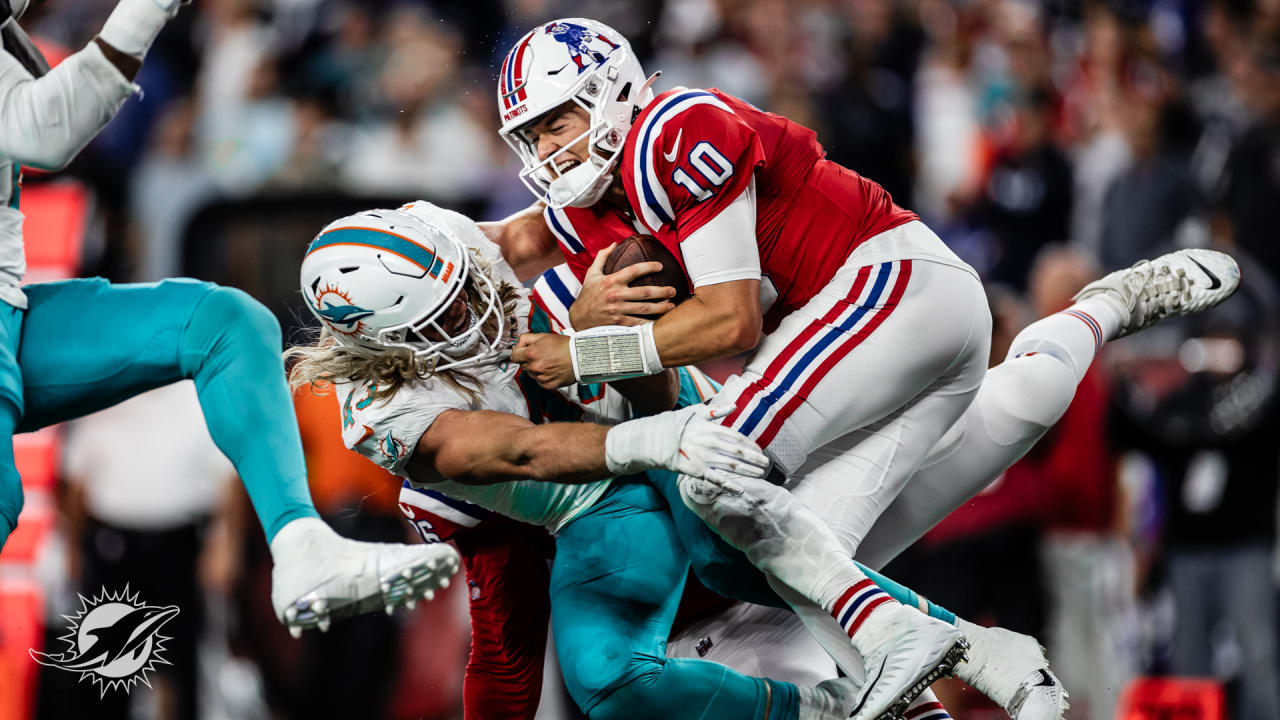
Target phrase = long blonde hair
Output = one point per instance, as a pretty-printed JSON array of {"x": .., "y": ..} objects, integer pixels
[{"x": 324, "y": 361}]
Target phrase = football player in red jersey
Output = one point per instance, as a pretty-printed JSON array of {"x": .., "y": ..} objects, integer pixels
[{"x": 870, "y": 337}]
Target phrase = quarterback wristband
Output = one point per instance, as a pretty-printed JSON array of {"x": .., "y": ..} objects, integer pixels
[
  {"x": 134, "y": 24},
  {"x": 614, "y": 352}
]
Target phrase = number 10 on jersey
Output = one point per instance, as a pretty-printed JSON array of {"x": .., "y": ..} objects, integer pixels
[{"x": 714, "y": 167}]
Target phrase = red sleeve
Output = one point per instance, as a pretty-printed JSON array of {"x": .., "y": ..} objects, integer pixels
[
  {"x": 508, "y": 579},
  {"x": 692, "y": 157},
  {"x": 507, "y": 583},
  {"x": 436, "y": 518},
  {"x": 567, "y": 233}
]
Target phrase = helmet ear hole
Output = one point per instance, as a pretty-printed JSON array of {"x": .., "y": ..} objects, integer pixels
[{"x": 625, "y": 93}]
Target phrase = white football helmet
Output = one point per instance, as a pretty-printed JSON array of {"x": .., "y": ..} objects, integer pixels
[
  {"x": 576, "y": 60},
  {"x": 383, "y": 280}
]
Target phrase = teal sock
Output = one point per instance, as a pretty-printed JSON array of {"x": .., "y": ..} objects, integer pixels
[
  {"x": 907, "y": 596},
  {"x": 231, "y": 348}
]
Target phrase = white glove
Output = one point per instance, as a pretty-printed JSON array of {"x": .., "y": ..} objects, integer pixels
[
  {"x": 134, "y": 24},
  {"x": 686, "y": 441}
]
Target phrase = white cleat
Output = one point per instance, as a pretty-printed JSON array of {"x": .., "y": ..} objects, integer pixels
[
  {"x": 904, "y": 651},
  {"x": 320, "y": 576},
  {"x": 1179, "y": 283},
  {"x": 1011, "y": 669}
]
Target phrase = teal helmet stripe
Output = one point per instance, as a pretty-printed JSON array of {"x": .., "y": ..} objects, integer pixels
[{"x": 381, "y": 239}]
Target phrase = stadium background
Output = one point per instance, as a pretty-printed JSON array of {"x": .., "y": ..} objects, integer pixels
[{"x": 1045, "y": 141}]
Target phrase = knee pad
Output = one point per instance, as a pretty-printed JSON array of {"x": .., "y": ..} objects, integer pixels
[
  {"x": 228, "y": 320},
  {"x": 241, "y": 315},
  {"x": 1025, "y": 396}
]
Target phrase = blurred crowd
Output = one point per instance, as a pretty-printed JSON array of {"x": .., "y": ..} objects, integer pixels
[{"x": 1046, "y": 141}]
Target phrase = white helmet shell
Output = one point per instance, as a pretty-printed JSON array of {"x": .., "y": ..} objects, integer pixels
[
  {"x": 382, "y": 280},
  {"x": 571, "y": 60}
]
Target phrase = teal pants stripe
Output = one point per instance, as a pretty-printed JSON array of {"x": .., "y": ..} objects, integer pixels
[
  {"x": 615, "y": 584},
  {"x": 88, "y": 344}
]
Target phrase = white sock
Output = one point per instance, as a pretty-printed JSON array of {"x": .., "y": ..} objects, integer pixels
[
  {"x": 856, "y": 603},
  {"x": 1073, "y": 335},
  {"x": 926, "y": 707}
]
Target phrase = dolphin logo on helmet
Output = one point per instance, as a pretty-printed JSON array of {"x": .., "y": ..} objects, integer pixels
[{"x": 384, "y": 280}]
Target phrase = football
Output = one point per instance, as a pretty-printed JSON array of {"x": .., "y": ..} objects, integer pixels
[{"x": 643, "y": 248}]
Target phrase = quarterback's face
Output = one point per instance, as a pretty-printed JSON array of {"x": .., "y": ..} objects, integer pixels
[{"x": 566, "y": 126}]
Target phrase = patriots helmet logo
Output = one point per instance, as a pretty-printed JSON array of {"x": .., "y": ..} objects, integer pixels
[
  {"x": 587, "y": 48},
  {"x": 114, "y": 641},
  {"x": 339, "y": 312}
]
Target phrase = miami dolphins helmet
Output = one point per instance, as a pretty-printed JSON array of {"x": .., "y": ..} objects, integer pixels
[
  {"x": 382, "y": 280},
  {"x": 576, "y": 60}
]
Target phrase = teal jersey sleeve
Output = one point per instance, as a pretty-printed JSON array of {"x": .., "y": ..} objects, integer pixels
[{"x": 695, "y": 387}]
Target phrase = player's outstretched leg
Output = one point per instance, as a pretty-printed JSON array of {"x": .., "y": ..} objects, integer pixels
[
  {"x": 615, "y": 585},
  {"x": 1019, "y": 400},
  {"x": 88, "y": 344},
  {"x": 903, "y": 652}
]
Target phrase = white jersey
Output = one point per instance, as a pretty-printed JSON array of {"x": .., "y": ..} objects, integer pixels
[
  {"x": 387, "y": 431},
  {"x": 43, "y": 123}
]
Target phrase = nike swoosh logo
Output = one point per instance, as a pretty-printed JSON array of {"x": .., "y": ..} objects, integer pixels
[
  {"x": 1046, "y": 680},
  {"x": 368, "y": 433},
  {"x": 870, "y": 686},
  {"x": 1215, "y": 282},
  {"x": 671, "y": 156}
]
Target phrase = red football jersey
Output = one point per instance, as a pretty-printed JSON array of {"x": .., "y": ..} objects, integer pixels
[
  {"x": 508, "y": 573},
  {"x": 690, "y": 153}
]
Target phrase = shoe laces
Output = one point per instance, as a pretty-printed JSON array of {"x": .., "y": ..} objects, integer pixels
[{"x": 1160, "y": 289}]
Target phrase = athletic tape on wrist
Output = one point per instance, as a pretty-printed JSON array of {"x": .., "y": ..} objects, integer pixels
[{"x": 614, "y": 352}]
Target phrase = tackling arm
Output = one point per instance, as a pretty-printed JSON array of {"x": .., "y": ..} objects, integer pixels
[
  {"x": 483, "y": 447},
  {"x": 526, "y": 242}
]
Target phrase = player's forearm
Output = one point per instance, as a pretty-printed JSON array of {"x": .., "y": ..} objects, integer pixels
[
  {"x": 526, "y": 243},
  {"x": 558, "y": 452},
  {"x": 45, "y": 121},
  {"x": 651, "y": 394},
  {"x": 716, "y": 322}
]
